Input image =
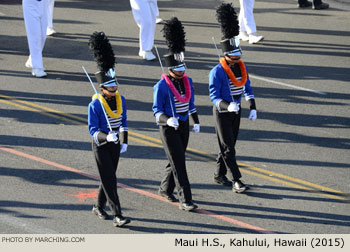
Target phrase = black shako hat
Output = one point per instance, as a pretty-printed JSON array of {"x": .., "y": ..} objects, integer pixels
[
  {"x": 227, "y": 17},
  {"x": 104, "y": 57},
  {"x": 174, "y": 34}
]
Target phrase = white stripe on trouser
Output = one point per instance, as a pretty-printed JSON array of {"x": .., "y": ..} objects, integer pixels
[
  {"x": 35, "y": 19},
  {"x": 144, "y": 12},
  {"x": 246, "y": 17}
]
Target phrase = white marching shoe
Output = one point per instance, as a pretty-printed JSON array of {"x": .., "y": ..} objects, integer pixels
[
  {"x": 147, "y": 55},
  {"x": 50, "y": 31},
  {"x": 158, "y": 20},
  {"x": 38, "y": 72},
  {"x": 29, "y": 63},
  {"x": 243, "y": 35},
  {"x": 255, "y": 38}
]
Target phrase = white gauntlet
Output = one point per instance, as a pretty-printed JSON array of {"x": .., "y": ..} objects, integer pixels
[
  {"x": 196, "y": 128},
  {"x": 233, "y": 107},
  {"x": 173, "y": 122},
  {"x": 123, "y": 147},
  {"x": 112, "y": 137},
  {"x": 252, "y": 115}
]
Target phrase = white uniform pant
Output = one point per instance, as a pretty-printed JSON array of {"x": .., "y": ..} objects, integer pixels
[
  {"x": 35, "y": 19},
  {"x": 50, "y": 13},
  {"x": 145, "y": 13},
  {"x": 246, "y": 17}
]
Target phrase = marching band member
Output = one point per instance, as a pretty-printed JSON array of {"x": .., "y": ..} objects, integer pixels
[
  {"x": 228, "y": 81},
  {"x": 108, "y": 143},
  {"x": 173, "y": 102}
]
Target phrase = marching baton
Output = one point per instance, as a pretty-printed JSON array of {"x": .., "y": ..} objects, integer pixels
[
  {"x": 161, "y": 65},
  {"x": 160, "y": 61},
  {"x": 217, "y": 51},
  {"x": 98, "y": 97}
]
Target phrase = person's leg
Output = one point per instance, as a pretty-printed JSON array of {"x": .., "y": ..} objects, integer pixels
[
  {"x": 31, "y": 13},
  {"x": 243, "y": 35},
  {"x": 167, "y": 184},
  {"x": 145, "y": 19},
  {"x": 105, "y": 160},
  {"x": 220, "y": 164},
  {"x": 98, "y": 208},
  {"x": 246, "y": 16},
  {"x": 101, "y": 198},
  {"x": 43, "y": 24},
  {"x": 51, "y": 5},
  {"x": 173, "y": 147},
  {"x": 226, "y": 127},
  {"x": 50, "y": 30}
]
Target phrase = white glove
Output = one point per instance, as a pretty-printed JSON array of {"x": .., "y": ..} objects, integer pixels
[
  {"x": 112, "y": 137},
  {"x": 173, "y": 122},
  {"x": 252, "y": 115},
  {"x": 196, "y": 128},
  {"x": 123, "y": 148},
  {"x": 233, "y": 107}
]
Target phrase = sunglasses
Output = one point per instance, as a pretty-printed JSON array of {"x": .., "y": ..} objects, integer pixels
[
  {"x": 237, "y": 58},
  {"x": 112, "y": 90}
]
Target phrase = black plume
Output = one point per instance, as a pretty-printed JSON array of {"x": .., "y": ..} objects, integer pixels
[
  {"x": 174, "y": 34},
  {"x": 227, "y": 17},
  {"x": 102, "y": 51}
]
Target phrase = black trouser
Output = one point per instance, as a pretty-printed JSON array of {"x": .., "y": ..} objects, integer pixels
[
  {"x": 107, "y": 157},
  {"x": 175, "y": 144},
  {"x": 227, "y": 127}
]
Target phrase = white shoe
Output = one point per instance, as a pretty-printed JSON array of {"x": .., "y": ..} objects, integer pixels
[
  {"x": 38, "y": 72},
  {"x": 147, "y": 55},
  {"x": 243, "y": 35},
  {"x": 255, "y": 38},
  {"x": 158, "y": 20},
  {"x": 29, "y": 63},
  {"x": 50, "y": 31}
]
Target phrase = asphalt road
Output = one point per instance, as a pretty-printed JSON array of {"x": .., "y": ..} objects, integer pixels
[{"x": 295, "y": 156}]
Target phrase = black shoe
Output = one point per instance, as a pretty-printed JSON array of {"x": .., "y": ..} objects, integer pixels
[
  {"x": 188, "y": 206},
  {"x": 100, "y": 213},
  {"x": 239, "y": 187},
  {"x": 168, "y": 197},
  {"x": 120, "y": 221},
  {"x": 222, "y": 180},
  {"x": 305, "y": 4},
  {"x": 321, "y": 6}
]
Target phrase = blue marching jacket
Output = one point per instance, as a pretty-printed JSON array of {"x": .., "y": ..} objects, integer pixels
[
  {"x": 161, "y": 101},
  {"x": 97, "y": 121},
  {"x": 219, "y": 89}
]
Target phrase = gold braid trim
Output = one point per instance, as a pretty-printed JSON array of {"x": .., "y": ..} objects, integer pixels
[{"x": 108, "y": 110}]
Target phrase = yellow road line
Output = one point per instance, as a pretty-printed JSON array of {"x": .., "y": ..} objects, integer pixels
[
  {"x": 43, "y": 108},
  {"x": 300, "y": 181},
  {"x": 154, "y": 142},
  {"x": 205, "y": 159},
  {"x": 278, "y": 181},
  {"x": 39, "y": 111}
]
